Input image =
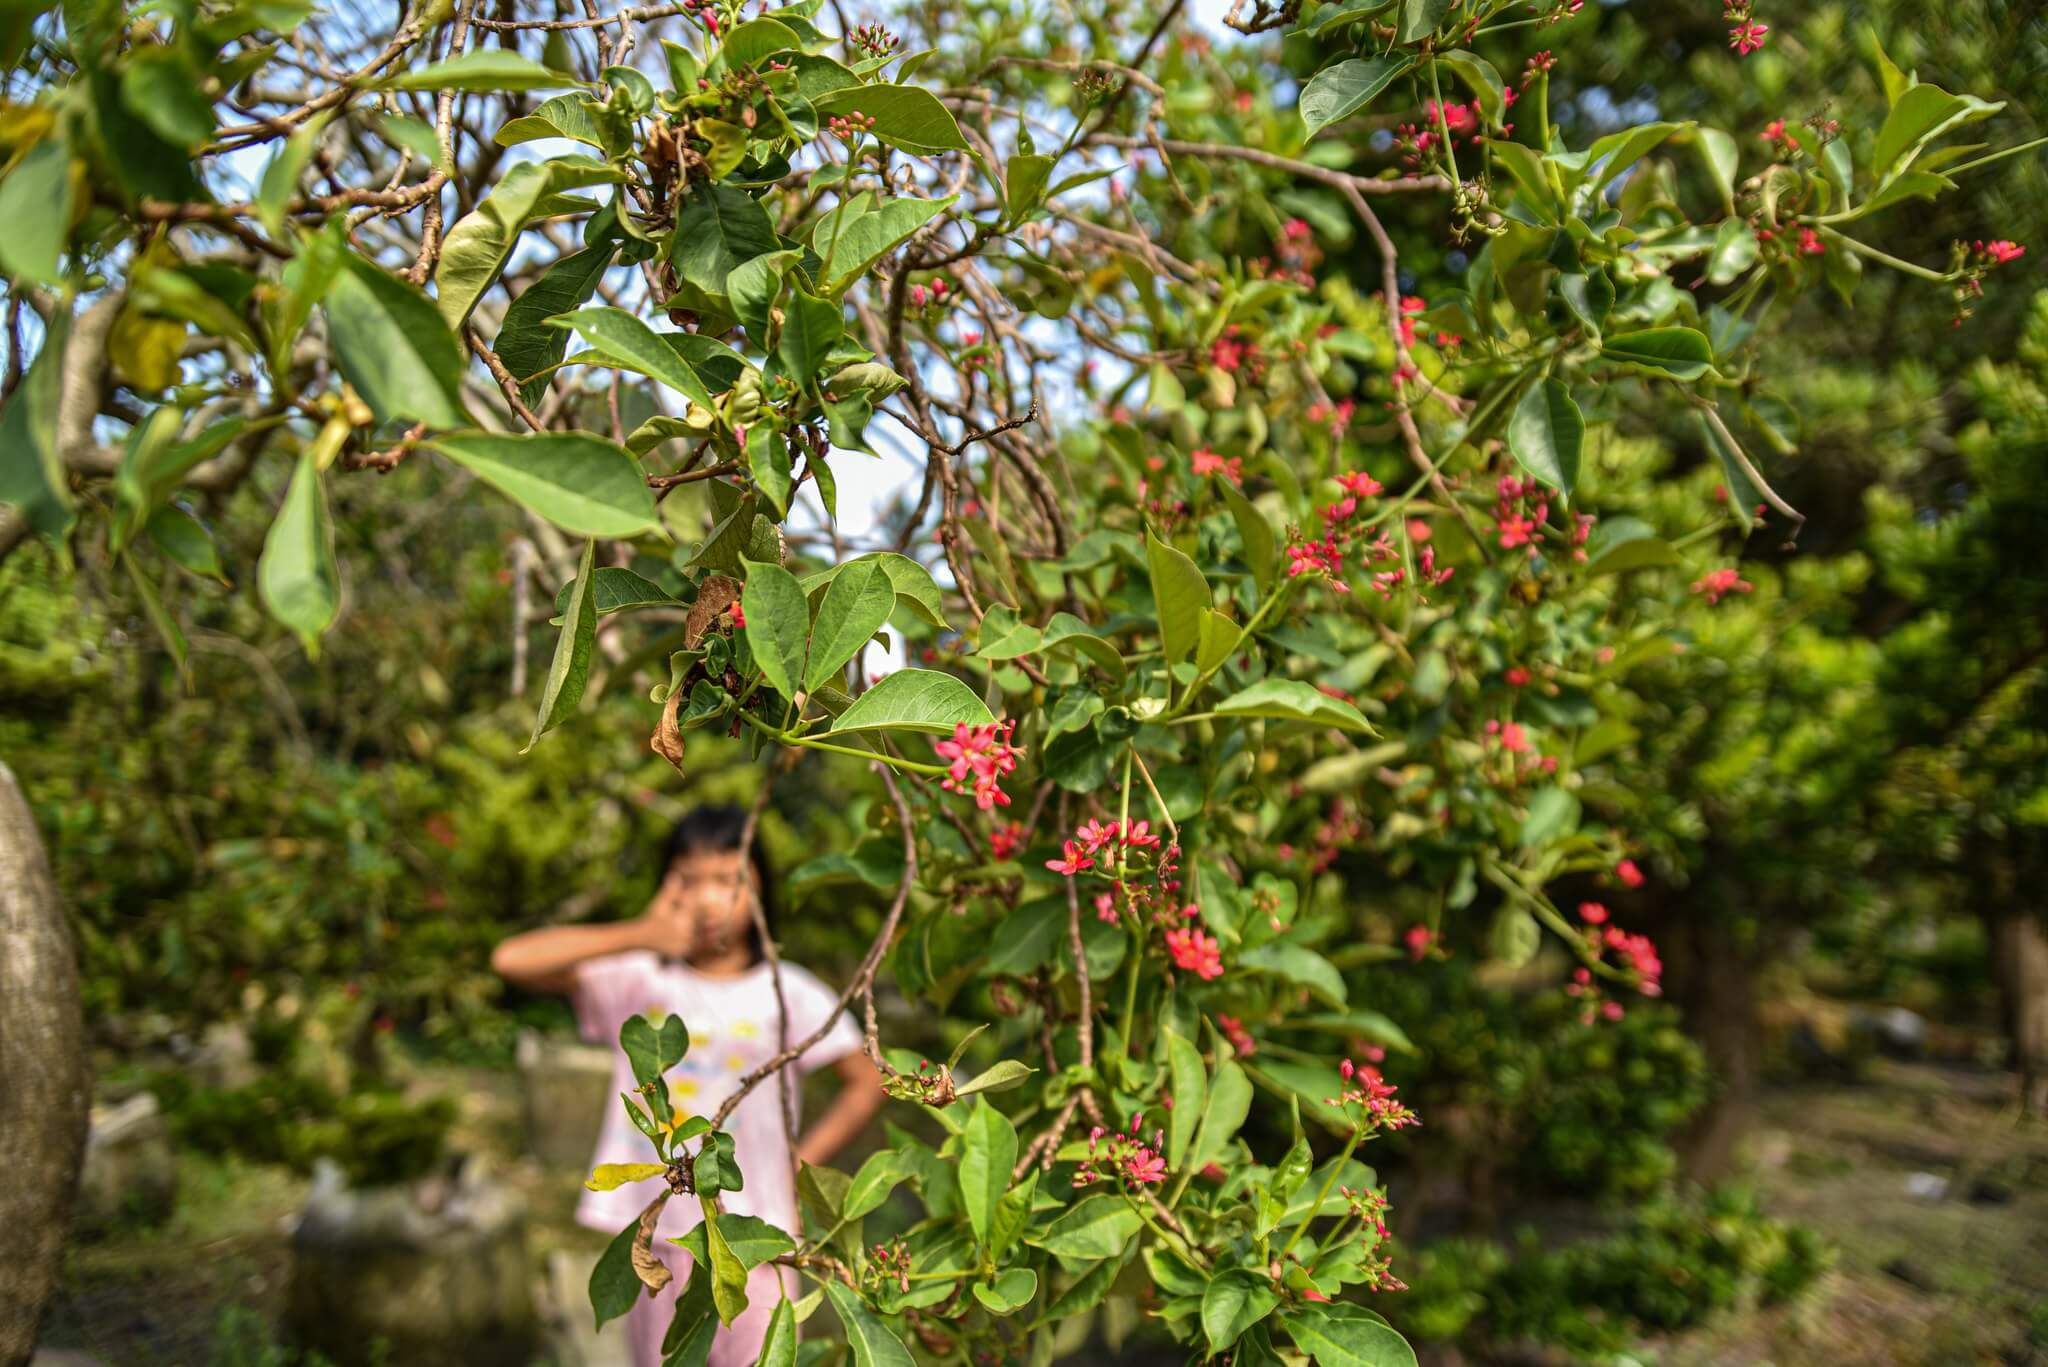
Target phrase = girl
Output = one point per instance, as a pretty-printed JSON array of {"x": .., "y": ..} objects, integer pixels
[{"x": 696, "y": 953}]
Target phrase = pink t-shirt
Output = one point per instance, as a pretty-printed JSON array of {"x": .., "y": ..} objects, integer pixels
[{"x": 733, "y": 1029}]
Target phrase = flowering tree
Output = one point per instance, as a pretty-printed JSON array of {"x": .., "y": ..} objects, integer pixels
[{"x": 1249, "y": 605}]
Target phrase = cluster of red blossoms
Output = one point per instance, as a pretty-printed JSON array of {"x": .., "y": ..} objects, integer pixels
[
  {"x": 1231, "y": 352},
  {"x": 1635, "y": 953},
  {"x": 1207, "y": 462},
  {"x": 1975, "y": 261},
  {"x": 1364, "y": 1088},
  {"x": 1716, "y": 584},
  {"x": 1325, "y": 557},
  {"x": 1123, "y": 1155},
  {"x": 1195, "y": 951},
  {"x": 1240, "y": 1038},
  {"x": 1745, "y": 33},
  {"x": 979, "y": 757},
  {"x": 1298, "y": 256},
  {"x": 1521, "y": 511},
  {"x": 1091, "y": 837},
  {"x": 888, "y": 1262}
]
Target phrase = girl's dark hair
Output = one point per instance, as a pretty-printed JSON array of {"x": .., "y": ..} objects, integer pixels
[{"x": 719, "y": 826}]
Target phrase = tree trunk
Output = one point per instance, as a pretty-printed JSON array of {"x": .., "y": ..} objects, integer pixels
[
  {"x": 1713, "y": 981},
  {"x": 2019, "y": 953},
  {"x": 45, "y": 1094}
]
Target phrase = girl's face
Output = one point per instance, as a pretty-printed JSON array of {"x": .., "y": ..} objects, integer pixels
[{"x": 713, "y": 890}]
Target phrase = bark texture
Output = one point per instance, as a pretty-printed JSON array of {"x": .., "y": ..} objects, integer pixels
[
  {"x": 45, "y": 1096},
  {"x": 2019, "y": 951}
]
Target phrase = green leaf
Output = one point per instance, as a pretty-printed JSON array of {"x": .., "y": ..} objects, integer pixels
[
  {"x": 1626, "y": 543},
  {"x": 778, "y": 1346},
  {"x": 878, "y": 1176},
  {"x": 1229, "y": 1102},
  {"x": 1617, "y": 152},
  {"x": 614, "y": 1285},
  {"x": 811, "y": 327},
  {"x": 914, "y": 585},
  {"x": 1219, "y": 639},
  {"x": 1190, "y": 1083},
  {"x": 612, "y": 1176},
  {"x": 728, "y": 1273},
  {"x": 296, "y": 575},
  {"x": 1902, "y": 187},
  {"x": 1339, "y": 91},
  {"x": 185, "y": 541},
  {"x": 564, "y": 116},
  {"x": 1672, "y": 353},
  {"x": 145, "y": 165},
  {"x": 581, "y": 483},
  {"x": 1552, "y": 812},
  {"x": 1004, "y": 637},
  {"x": 752, "y": 1240},
  {"x": 638, "y": 1039},
  {"x": 872, "y": 1343},
  {"x": 1545, "y": 433},
  {"x": 1011, "y": 1290},
  {"x": 1292, "y": 700},
  {"x": 719, "y": 228},
  {"x": 988, "y": 1152},
  {"x": 753, "y": 287},
  {"x": 1297, "y": 964},
  {"x": 480, "y": 70},
  {"x": 1515, "y": 937},
  {"x": 778, "y": 625},
  {"x": 999, "y": 1076},
  {"x": 1341, "y": 1335},
  {"x": 693, "y": 1326},
  {"x": 908, "y": 117},
  {"x": 390, "y": 344},
  {"x": 162, "y": 88},
  {"x": 748, "y": 43},
  {"x": 1420, "y": 19},
  {"x": 1256, "y": 533},
  {"x": 32, "y": 474},
  {"x": 1233, "y": 1302},
  {"x": 1358, "y": 1021},
  {"x": 857, "y": 604},
  {"x": 868, "y": 238},
  {"x": 527, "y": 343},
  {"x": 167, "y": 627},
  {"x": 1480, "y": 75},
  {"x": 617, "y": 339},
  {"x": 35, "y": 209},
  {"x": 915, "y": 700},
  {"x": 1068, "y": 632},
  {"x": 1181, "y": 595},
  {"x": 569, "y": 670},
  {"x": 618, "y": 589},
  {"x": 281, "y": 176},
  {"x": 1921, "y": 114},
  {"x": 482, "y": 241},
  {"x": 1098, "y": 1227}
]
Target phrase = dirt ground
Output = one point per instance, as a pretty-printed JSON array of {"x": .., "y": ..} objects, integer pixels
[{"x": 1933, "y": 1194}]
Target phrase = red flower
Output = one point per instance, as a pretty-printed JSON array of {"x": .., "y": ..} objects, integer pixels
[
  {"x": 1517, "y": 677},
  {"x": 1747, "y": 38},
  {"x": 980, "y": 756},
  {"x": 1005, "y": 841},
  {"x": 1810, "y": 243},
  {"x": 1419, "y": 938},
  {"x": 1144, "y": 1166},
  {"x": 1629, "y": 874},
  {"x": 1196, "y": 952},
  {"x": 1359, "y": 484},
  {"x": 1717, "y": 583},
  {"x": 1207, "y": 462},
  {"x": 1774, "y": 131},
  {"x": 1240, "y": 1038},
  {"x": 1592, "y": 913},
  {"x": 739, "y": 619},
  {"x": 2001, "y": 251}
]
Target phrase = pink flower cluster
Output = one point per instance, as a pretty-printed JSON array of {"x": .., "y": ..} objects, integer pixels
[
  {"x": 979, "y": 758},
  {"x": 1634, "y": 953},
  {"x": 1240, "y": 1038},
  {"x": 1207, "y": 462},
  {"x": 1195, "y": 951},
  {"x": 1745, "y": 34},
  {"x": 1364, "y": 1088},
  {"x": 1092, "y": 836},
  {"x": 1005, "y": 841},
  {"x": 1716, "y": 584},
  {"x": 1124, "y": 1155}
]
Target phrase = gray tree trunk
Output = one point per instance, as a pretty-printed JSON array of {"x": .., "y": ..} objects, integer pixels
[
  {"x": 45, "y": 1092},
  {"x": 2019, "y": 948}
]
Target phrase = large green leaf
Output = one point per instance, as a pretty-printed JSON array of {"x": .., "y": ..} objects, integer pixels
[
  {"x": 915, "y": 587},
  {"x": 575, "y": 117},
  {"x": 751, "y": 1239},
  {"x": 1181, "y": 595},
  {"x": 154, "y": 465},
  {"x": 1009, "y": 1292},
  {"x": 988, "y": 1152},
  {"x": 161, "y": 87},
  {"x": 616, "y": 338},
  {"x": 1292, "y": 700},
  {"x": 1098, "y": 1227},
  {"x": 1190, "y": 1082},
  {"x": 1297, "y": 964},
  {"x": 281, "y": 177},
  {"x": 872, "y": 1343},
  {"x": 569, "y": 670},
  {"x": 483, "y": 69},
  {"x": 1233, "y": 1302},
  {"x": 1617, "y": 152},
  {"x": 581, "y": 483},
  {"x": 915, "y": 700},
  {"x": 296, "y": 575},
  {"x": 718, "y": 228},
  {"x": 527, "y": 343},
  {"x": 881, "y": 1174},
  {"x": 811, "y": 327},
  {"x": 482, "y": 241},
  {"x": 32, "y": 475},
  {"x": 389, "y": 343},
  {"x": 1339, "y": 91},
  {"x": 35, "y": 213},
  {"x": 614, "y": 1285},
  {"x": 778, "y": 625},
  {"x": 1675, "y": 353},
  {"x": 1341, "y": 1335},
  {"x": 866, "y": 239},
  {"x": 1420, "y": 18},
  {"x": 906, "y": 116},
  {"x": 778, "y": 1345},
  {"x": 1546, "y": 432},
  {"x": 1253, "y": 529},
  {"x": 857, "y": 603},
  {"x": 728, "y": 1273},
  {"x": 1921, "y": 114},
  {"x": 1230, "y": 1101}
]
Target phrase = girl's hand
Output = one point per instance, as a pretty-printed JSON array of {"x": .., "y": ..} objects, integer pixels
[{"x": 669, "y": 926}]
